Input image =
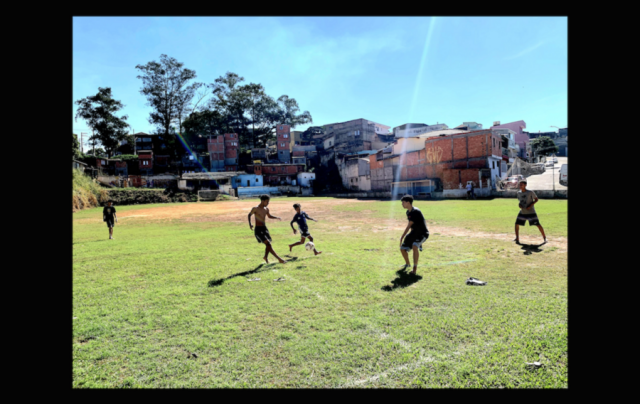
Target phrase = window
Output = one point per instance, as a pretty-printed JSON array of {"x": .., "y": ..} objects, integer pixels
[
  {"x": 256, "y": 180},
  {"x": 285, "y": 136},
  {"x": 494, "y": 164},
  {"x": 280, "y": 127},
  {"x": 356, "y": 133}
]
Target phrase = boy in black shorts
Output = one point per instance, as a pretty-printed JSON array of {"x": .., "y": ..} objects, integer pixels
[
  {"x": 526, "y": 200},
  {"x": 108, "y": 215},
  {"x": 419, "y": 233},
  {"x": 262, "y": 233},
  {"x": 301, "y": 218}
]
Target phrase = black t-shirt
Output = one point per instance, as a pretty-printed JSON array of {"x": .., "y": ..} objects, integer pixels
[
  {"x": 416, "y": 217},
  {"x": 108, "y": 212},
  {"x": 301, "y": 219}
]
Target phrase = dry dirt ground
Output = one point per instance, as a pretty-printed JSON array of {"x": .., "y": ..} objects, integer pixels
[{"x": 236, "y": 211}]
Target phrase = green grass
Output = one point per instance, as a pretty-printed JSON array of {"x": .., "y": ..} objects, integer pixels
[
  {"x": 497, "y": 215},
  {"x": 165, "y": 289}
]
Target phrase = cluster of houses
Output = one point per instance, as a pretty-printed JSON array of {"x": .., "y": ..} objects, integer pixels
[{"x": 358, "y": 155}]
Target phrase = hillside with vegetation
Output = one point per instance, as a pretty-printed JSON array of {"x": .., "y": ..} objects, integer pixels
[{"x": 86, "y": 193}]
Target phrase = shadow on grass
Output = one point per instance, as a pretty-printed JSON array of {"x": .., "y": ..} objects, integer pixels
[
  {"x": 218, "y": 282},
  {"x": 404, "y": 279},
  {"x": 531, "y": 248}
]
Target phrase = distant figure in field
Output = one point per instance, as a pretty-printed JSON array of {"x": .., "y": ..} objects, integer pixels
[
  {"x": 469, "y": 190},
  {"x": 419, "y": 233},
  {"x": 262, "y": 233},
  {"x": 526, "y": 200},
  {"x": 301, "y": 218},
  {"x": 108, "y": 215}
]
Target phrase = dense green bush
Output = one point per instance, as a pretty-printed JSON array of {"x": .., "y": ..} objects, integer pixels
[{"x": 135, "y": 196}]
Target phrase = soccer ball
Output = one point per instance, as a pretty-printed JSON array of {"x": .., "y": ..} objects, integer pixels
[{"x": 309, "y": 246}]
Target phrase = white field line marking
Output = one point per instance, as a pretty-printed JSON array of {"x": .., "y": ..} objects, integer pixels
[
  {"x": 404, "y": 344},
  {"x": 409, "y": 366}
]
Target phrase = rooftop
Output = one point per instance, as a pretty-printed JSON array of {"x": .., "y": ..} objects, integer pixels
[{"x": 211, "y": 175}]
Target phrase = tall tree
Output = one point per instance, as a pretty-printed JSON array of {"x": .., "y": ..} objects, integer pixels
[
  {"x": 99, "y": 113},
  {"x": 259, "y": 109},
  {"x": 543, "y": 146},
  {"x": 287, "y": 112},
  {"x": 165, "y": 85},
  {"x": 200, "y": 125},
  {"x": 222, "y": 100}
]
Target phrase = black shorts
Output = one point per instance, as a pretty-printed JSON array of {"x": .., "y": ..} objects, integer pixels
[
  {"x": 110, "y": 222},
  {"x": 262, "y": 234},
  {"x": 305, "y": 233},
  {"x": 412, "y": 239},
  {"x": 531, "y": 217}
]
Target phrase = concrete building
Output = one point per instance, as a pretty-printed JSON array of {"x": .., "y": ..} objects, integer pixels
[
  {"x": 303, "y": 154},
  {"x": 276, "y": 174},
  {"x": 357, "y": 135},
  {"x": 472, "y": 156},
  {"x": 416, "y": 142},
  {"x": 381, "y": 178},
  {"x": 145, "y": 162},
  {"x": 355, "y": 171},
  {"x": 223, "y": 152},
  {"x": 305, "y": 180},
  {"x": 283, "y": 143},
  {"x": 259, "y": 153},
  {"x": 510, "y": 149},
  {"x": 415, "y": 129},
  {"x": 521, "y": 138},
  {"x": 146, "y": 141},
  {"x": 215, "y": 146},
  {"x": 230, "y": 151},
  {"x": 247, "y": 180},
  {"x": 451, "y": 159},
  {"x": 469, "y": 126}
]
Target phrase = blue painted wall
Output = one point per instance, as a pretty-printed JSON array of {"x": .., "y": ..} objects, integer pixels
[{"x": 241, "y": 181}]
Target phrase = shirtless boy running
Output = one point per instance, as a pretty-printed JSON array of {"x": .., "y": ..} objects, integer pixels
[{"x": 262, "y": 233}]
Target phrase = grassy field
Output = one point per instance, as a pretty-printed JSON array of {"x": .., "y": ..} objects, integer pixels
[{"x": 169, "y": 303}]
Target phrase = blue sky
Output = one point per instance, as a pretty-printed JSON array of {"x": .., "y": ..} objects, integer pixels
[{"x": 391, "y": 70}]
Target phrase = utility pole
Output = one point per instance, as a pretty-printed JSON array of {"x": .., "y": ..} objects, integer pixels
[
  {"x": 553, "y": 178},
  {"x": 82, "y": 141}
]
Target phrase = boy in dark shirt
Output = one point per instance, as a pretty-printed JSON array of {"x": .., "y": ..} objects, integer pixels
[
  {"x": 108, "y": 215},
  {"x": 301, "y": 218},
  {"x": 419, "y": 233}
]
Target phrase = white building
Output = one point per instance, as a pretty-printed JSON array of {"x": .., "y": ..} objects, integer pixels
[
  {"x": 304, "y": 179},
  {"x": 415, "y": 129}
]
